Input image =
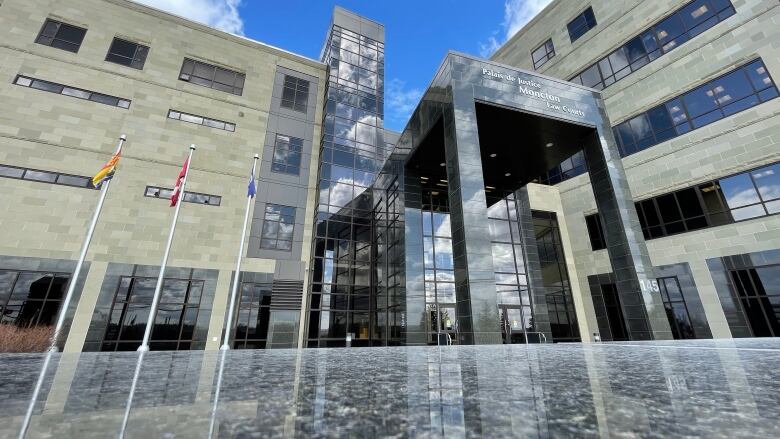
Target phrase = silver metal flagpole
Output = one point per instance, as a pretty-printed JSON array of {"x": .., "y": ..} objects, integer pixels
[
  {"x": 234, "y": 290},
  {"x": 66, "y": 302},
  {"x": 158, "y": 288},
  {"x": 84, "y": 247}
]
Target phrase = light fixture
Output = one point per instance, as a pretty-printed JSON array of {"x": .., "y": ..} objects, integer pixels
[
  {"x": 434, "y": 193},
  {"x": 441, "y": 184},
  {"x": 549, "y": 144},
  {"x": 442, "y": 164},
  {"x": 423, "y": 178},
  {"x": 507, "y": 174},
  {"x": 489, "y": 187},
  {"x": 443, "y": 181},
  {"x": 493, "y": 155}
]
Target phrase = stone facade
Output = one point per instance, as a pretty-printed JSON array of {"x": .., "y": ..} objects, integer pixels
[
  {"x": 737, "y": 143},
  {"x": 51, "y": 132}
]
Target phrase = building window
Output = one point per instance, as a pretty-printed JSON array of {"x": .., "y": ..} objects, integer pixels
[
  {"x": 543, "y": 53},
  {"x": 127, "y": 53},
  {"x": 736, "y": 91},
  {"x": 53, "y": 87},
  {"x": 201, "y": 120},
  {"x": 253, "y": 316},
  {"x": 31, "y": 298},
  {"x": 295, "y": 93},
  {"x": 189, "y": 197},
  {"x": 676, "y": 309},
  {"x": 685, "y": 23},
  {"x": 287, "y": 155},
  {"x": 758, "y": 292},
  {"x": 569, "y": 168},
  {"x": 555, "y": 277},
  {"x": 211, "y": 76},
  {"x": 595, "y": 232},
  {"x": 174, "y": 324},
  {"x": 278, "y": 227},
  {"x": 60, "y": 35},
  {"x": 581, "y": 24},
  {"x": 744, "y": 196},
  {"x": 45, "y": 176}
]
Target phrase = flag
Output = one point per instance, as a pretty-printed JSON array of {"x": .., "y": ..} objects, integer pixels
[
  {"x": 177, "y": 188},
  {"x": 107, "y": 171},
  {"x": 252, "y": 189}
]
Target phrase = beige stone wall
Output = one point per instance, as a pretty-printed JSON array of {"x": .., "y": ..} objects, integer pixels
[
  {"x": 59, "y": 133},
  {"x": 734, "y": 144}
]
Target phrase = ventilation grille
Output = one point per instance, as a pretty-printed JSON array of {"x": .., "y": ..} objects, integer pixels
[{"x": 287, "y": 294}]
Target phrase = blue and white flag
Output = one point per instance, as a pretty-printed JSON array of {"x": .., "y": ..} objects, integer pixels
[{"x": 252, "y": 189}]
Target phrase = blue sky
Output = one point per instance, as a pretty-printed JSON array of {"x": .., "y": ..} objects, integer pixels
[{"x": 417, "y": 33}]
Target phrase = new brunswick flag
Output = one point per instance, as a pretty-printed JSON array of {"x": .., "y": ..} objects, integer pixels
[{"x": 107, "y": 171}]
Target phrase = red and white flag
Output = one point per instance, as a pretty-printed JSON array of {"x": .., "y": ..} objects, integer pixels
[{"x": 179, "y": 179}]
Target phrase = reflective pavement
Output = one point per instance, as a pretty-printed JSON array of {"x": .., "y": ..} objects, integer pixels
[{"x": 706, "y": 388}]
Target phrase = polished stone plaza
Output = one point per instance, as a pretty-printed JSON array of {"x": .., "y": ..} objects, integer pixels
[{"x": 706, "y": 388}]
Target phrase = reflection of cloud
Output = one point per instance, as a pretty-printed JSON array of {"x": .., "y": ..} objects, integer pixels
[
  {"x": 503, "y": 258},
  {"x": 400, "y": 101},
  {"x": 221, "y": 14},
  {"x": 516, "y": 14},
  {"x": 741, "y": 198}
]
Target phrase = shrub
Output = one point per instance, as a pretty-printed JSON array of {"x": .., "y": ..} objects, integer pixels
[{"x": 16, "y": 339}]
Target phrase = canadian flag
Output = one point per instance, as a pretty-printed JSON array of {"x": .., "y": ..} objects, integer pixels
[{"x": 179, "y": 180}]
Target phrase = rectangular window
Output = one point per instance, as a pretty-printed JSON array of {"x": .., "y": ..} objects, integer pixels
[
  {"x": 758, "y": 290},
  {"x": 581, "y": 24},
  {"x": 287, "y": 155},
  {"x": 295, "y": 93},
  {"x": 676, "y": 308},
  {"x": 201, "y": 120},
  {"x": 45, "y": 176},
  {"x": 53, "y": 87},
  {"x": 189, "y": 197},
  {"x": 212, "y": 76},
  {"x": 278, "y": 227},
  {"x": 127, "y": 53},
  {"x": 174, "y": 324},
  {"x": 543, "y": 53},
  {"x": 685, "y": 23},
  {"x": 744, "y": 196},
  {"x": 31, "y": 298},
  {"x": 736, "y": 91},
  {"x": 61, "y": 35},
  {"x": 595, "y": 232}
]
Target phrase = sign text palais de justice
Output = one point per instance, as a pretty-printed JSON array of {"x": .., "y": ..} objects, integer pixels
[{"x": 551, "y": 100}]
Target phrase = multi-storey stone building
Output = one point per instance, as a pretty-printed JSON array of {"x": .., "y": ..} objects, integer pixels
[{"x": 611, "y": 172}]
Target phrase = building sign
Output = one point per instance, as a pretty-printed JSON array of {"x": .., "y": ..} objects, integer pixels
[{"x": 534, "y": 90}]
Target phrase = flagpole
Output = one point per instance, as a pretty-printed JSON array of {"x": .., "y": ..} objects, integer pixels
[
  {"x": 158, "y": 288},
  {"x": 229, "y": 322},
  {"x": 84, "y": 247}
]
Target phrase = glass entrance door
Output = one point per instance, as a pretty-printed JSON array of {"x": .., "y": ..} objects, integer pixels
[{"x": 512, "y": 326}]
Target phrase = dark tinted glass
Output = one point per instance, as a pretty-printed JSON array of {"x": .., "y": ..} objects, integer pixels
[
  {"x": 581, "y": 24},
  {"x": 61, "y": 35}
]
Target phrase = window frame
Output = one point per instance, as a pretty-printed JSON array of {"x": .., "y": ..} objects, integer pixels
[
  {"x": 204, "y": 121},
  {"x": 266, "y": 221},
  {"x": 209, "y": 82},
  {"x": 60, "y": 24},
  {"x": 285, "y": 167},
  {"x": 73, "y": 92},
  {"x": 549, "y": 53},
  {"x": 56, "y": 177},
  {"x": 586, "y": 15},
  {"x": 298, "y": 87},
  {"x": 54, "y": 275},
  {"x": 136, "y": 62},
  {"x": 164, "y": 193}
]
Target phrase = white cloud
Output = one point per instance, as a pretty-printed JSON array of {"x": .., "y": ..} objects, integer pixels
[
  {"x": 516, "y": 14},
  {"x": 400, "y": 101},
  {"x": 221, "y": 14}
]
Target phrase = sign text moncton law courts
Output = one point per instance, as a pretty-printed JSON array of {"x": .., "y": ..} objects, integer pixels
[{"x": 527, "y": 88}]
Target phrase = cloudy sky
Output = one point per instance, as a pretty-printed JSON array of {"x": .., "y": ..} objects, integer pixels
[{"x": 418, "y": 33}]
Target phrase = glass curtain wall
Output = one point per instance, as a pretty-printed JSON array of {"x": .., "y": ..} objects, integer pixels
[
  {"x": 514, "y": 302},
  {"x": 440, "y": 310},
  {"x": 352, "y": 151}
]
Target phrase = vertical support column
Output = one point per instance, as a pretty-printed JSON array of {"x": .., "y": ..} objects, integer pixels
[
  {"x": 475, "y": 286},
  {"x": 533, "y": 266},
  {"x": 642, "y": 306}
]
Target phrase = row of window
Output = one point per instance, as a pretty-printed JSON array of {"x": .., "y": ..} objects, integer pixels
[
  {"x": 201, "y": 120},
  {"x": 53, "y": 87},
  {"x": 682, "y": 25},
  {"x": 189, "y": 197},
  {"x": 740, "y": 197},
  {"x": 577, "y": 27},
  {"x": 45, "y": 176},
  {"x": 68, "y": 37},
  {"x": 738, "y": 90}
]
